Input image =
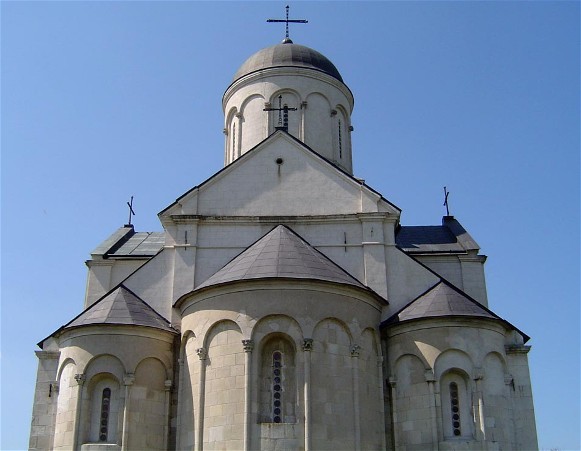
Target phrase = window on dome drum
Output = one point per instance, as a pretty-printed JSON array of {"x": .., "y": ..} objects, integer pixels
[
  {"x": 104, "y": 417},
  {"x": 340, "y": 141},
  {"x": 233, "y": 141}
]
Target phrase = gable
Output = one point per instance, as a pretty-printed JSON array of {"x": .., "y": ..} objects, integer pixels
[{"x": 280, "y": 177}]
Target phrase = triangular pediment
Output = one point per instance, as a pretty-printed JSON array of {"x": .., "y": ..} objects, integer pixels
[{"x": 281, "y": 176}]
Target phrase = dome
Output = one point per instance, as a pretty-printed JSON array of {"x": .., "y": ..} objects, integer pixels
[{"x": 288, "y": 54}]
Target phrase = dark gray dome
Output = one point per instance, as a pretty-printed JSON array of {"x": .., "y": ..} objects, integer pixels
[{"x": 288, "y": 54}]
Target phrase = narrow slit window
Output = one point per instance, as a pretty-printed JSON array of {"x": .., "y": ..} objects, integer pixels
[
  {"x": 104, "y": 418},
  {"x": 277, "y": 388},
  {"x": 340, "y": 141},
  {"x": 455, "y": 409},
  {"x": 233, "y": 141}
]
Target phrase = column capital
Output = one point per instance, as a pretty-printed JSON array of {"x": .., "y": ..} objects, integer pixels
[
  {"x": 128, "y": 379},
  {"x": 355, "y": 350},
  {"x": 429, "y": 375},
  {"x": 168, "y": 384},
  {"x": 308, "y": 344},
  {"x": 80, "y": 378},
  {"x": 478, "y": 374},
  {"x": 248, "y": 345},
  {"x": 202, "y": 353},
  {"x": 392, "y": 381}
]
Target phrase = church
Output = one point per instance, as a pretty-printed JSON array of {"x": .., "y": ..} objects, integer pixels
[{"x": 284, "y": 306}]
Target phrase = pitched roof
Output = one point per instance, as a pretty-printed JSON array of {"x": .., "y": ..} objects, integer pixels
[
  {"x": 445, "y": 300},
  {"x": 126, "y": 243},
  {"x": 450, "y": 237},
  {"x": 441, "y": 300},
  {"x": 281, "y": 253},
  {"x": 121, "y": 307}
]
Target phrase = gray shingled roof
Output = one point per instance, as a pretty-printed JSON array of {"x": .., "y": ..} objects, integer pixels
[
  {"x": 281, "y": 254},
  {"x": 126, "y": 243},
  {"x": 439, "y": 301},
  {"x": 121, "y": 307},
  {"x": 450, "y": 237}
]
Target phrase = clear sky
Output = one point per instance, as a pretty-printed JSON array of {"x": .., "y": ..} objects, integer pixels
[{"x": 105, "y": 100}]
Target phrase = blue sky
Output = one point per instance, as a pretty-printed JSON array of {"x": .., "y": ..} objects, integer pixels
[{"x": 105, "y": 100}]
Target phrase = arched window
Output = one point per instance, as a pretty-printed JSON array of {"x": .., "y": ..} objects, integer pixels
[
  {"x": 277, "y": 386},
  {"x": 340, "y": 138},
  {"x": 103, "y": 409},
  {"x": 456, "y": 406},
  {"x": 233, "y": 141},
  {"x": 105, "y": 404},
  {"x": 277, "y": 381},
  {"x": 455, "y": 409}
]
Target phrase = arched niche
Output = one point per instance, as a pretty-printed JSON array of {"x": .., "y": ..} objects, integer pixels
[
  {"x": 456, "y": 405},
  {"x": 146, "y": 431},
  {"x": 292, "y": 99},
  {"x": 66, "y": 402},
  {"x": 370, "y": 391},
  {"x": 318, "y": 124},
  {"x": 278, "y": 388},
  {"x": 224, "y": 384},
  {"x": 252, "y": 122},
  {"x": 332, "y": 373},
  {"x": 103, "y": 415}
]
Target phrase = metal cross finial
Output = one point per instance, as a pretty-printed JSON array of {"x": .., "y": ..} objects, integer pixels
[
  {"x": 131, "y": 212},
  {"x": 287, "y": 21},
  {"x": 446, "y": 194},
  {"x": 282, "y": 114}
]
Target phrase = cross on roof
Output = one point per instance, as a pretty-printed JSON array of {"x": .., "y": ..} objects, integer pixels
[
  {"x": 446, "y": 194},
  {"x": 287, "y": 21},
  {"x": 131, "y": 212},
  {"x": 282, "y": 114}
]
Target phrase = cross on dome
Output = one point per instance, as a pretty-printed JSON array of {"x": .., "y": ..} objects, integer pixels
[{"x": 287, "y": 40}]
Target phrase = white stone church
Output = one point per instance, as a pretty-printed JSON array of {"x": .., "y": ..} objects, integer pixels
[{"x": 284, "y": 306}]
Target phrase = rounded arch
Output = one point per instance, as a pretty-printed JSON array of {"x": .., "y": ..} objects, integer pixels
[
  {"x": 66, "y": 402},
  {"x": 495, "y": 371},
  {"x": 281, "y": 92},
  {"x": 453, "y": 358},
  {"x": 230, "y": 114},
  {"x": 409, "y": 371},
  {"x": 498, "y": 355},
  {"x": 373, "y": 336},
  {"x": 248, "y": 99},
  {"x": 187, "y": 335},
  {"x": 64, "y": 363},
  {"x": 150, "y": 371},
  {"x": 318, "y": 95},
  {"x": 330, "y": 319},
  {"x": 277, "y": 323},
  {"x": 217, "y": 327},
  {"x": 105, "y": 363}
]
